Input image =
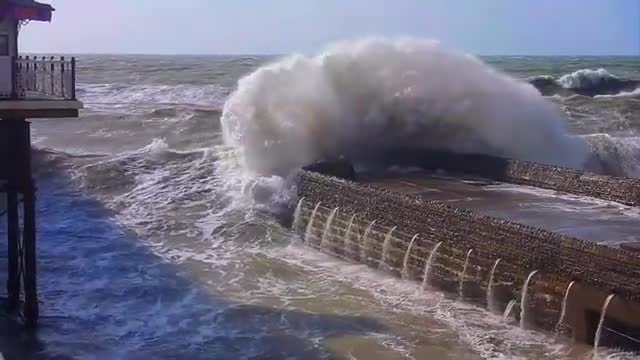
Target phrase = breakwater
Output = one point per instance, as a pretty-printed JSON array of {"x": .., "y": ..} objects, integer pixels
[
  {"x": 623, "y": 190},
  {"x": 486, "y": 260}
]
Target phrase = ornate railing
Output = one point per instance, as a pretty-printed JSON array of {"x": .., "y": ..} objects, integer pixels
[{"x": 51, "y": 78}]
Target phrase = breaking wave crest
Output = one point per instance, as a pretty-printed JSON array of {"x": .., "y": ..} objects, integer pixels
[
  {"x": 586, "y": 78},
  {"x": 586, "y": 82},
  {"x": 361, "y": 99}
]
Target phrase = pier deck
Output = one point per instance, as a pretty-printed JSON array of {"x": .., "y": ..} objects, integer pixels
[{"x": 39, "y": 108}]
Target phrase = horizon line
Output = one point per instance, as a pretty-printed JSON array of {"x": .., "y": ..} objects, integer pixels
[{"x": 295, "y": 52}]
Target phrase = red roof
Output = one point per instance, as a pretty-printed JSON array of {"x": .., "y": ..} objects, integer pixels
[{"x": 26, "y": 10}]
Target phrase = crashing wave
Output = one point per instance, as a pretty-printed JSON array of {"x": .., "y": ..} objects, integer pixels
[
  {"x": 363, "y": 99},
  {"x": 585, "y": 82},
  {"x": 618, "y": 156}
]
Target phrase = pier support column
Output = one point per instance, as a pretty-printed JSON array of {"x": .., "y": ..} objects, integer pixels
[
  {"x": 11, "y": 153},
  {"x": 21, "y": 249},
  {"x": 29, "y": 257},
  {"x": 13, "y": 240},
  {"x": 30, "y": 310}
]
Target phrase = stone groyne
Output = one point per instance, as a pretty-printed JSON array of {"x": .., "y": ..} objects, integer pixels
[
  {"x": 400, "y": 234},
  {"x": 618, "y": 189}
]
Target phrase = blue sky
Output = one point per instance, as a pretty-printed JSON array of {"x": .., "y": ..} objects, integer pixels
[{"x": 485, "y": 27}]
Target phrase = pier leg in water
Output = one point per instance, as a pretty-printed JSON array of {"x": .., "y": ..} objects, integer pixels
[
  {"x": 464, "y": 271},
  {"x": 524, "y": 300},
  {"x": 347, "y": 236},
  {"x": 491, "y": 301},
  {"x": 563, "y": 311},
  {"x": 429, "y": 263},
  {"x": 603, "y": 315},
  {"x": 12, "y": 189},
  {"x": 364, "y": 243},
  {"x": 385, "y": 248},
  {"x": 307, "y": 233},
  {"x": 13, "y": 237},
  {"x": 31, "y": 311},
  {"x": 405, "y": 262},
  {"x": 508, "y": 310},
  {"x": 327, "y": 229},
  {"x": 296, "y": 216},
  {"x": 22, "y": 270}
]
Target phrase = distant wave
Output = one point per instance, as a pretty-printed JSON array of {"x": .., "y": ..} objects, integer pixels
[
  {"x": 109, "y": 95},
  {"x": 174, "y": 112},
  {"x": 633, "y": 93},
  {"x": 362, "y": 99},
  {"x": 585, "y": 82}
]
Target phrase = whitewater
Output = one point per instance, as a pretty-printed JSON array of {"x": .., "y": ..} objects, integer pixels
[{"x": 360, "y": 99}]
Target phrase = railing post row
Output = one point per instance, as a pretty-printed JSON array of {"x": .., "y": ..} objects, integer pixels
[
  {"x": 73, "y": 78},
  {"x": 27, "y": 74},
  {"x": 62, "y": 76},
  {"x": 53, "y": 70},
  {"x": 14, "y": 82},
  {"x": 31, "y": 73},
  {"x": 36, "y": 67}
]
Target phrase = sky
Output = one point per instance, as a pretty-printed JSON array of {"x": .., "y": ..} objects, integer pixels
[{"x": 482, "y": 27}]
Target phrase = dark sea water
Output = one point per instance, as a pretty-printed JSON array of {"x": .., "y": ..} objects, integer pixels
[{"x": 151, "y": 248}]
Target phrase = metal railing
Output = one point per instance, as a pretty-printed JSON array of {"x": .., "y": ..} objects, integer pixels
[{"x": 42, "y": 77}]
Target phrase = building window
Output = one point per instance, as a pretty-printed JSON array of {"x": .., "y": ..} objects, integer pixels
[{"x": 4, "y": 45}]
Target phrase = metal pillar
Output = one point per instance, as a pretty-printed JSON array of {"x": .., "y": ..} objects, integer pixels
[
  {"x": 31, "y": 311},
  {"x": 13, "y": 240},
  {"x": 21, "y": 282}
]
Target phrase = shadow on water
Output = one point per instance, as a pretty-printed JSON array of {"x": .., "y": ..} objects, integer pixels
[{"x": 104, "y": 295}]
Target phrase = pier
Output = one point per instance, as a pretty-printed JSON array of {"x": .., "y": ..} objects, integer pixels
[{"x": 30, "y": 87}]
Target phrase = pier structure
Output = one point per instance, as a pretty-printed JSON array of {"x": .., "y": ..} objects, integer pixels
[{"x": 30, "y": 87}]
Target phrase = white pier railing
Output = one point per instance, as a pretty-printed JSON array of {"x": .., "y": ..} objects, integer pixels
[{"x": 41, "y": 78}]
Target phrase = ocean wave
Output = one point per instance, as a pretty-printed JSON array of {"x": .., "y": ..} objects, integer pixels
[
  {"x": 205, "y": 96},
  {"x": 586, "y": 78},
  {"x": 115, "y": 178},
  {"x": 157, "y": 150},
  {"x": 180, "y": 112},
  {"x": 619, "y": 156},
  {"x": 586, "y": 82},
  {"x": 634, "y": 93},
  {"x": 361, "y": 99}
]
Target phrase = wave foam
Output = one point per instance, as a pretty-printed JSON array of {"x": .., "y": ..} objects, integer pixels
[
  {"x": 633, "y": 93},
  {"x": 586, "y": 82},
  {"x": 586, "y": 78},
  {"x": 112, "y": 95},
  {"x": 360, "y": 99}
]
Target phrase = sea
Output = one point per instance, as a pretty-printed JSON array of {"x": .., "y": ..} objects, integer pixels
[{"x": 161, "y": 231}]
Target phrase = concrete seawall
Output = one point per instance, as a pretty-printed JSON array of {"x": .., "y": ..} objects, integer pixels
[
  {"x": 619, "y": 189},
  {"x": 597, "y": 271}
]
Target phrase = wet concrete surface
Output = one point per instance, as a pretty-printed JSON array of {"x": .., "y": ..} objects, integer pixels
[{"x": 582, "y": 217}]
